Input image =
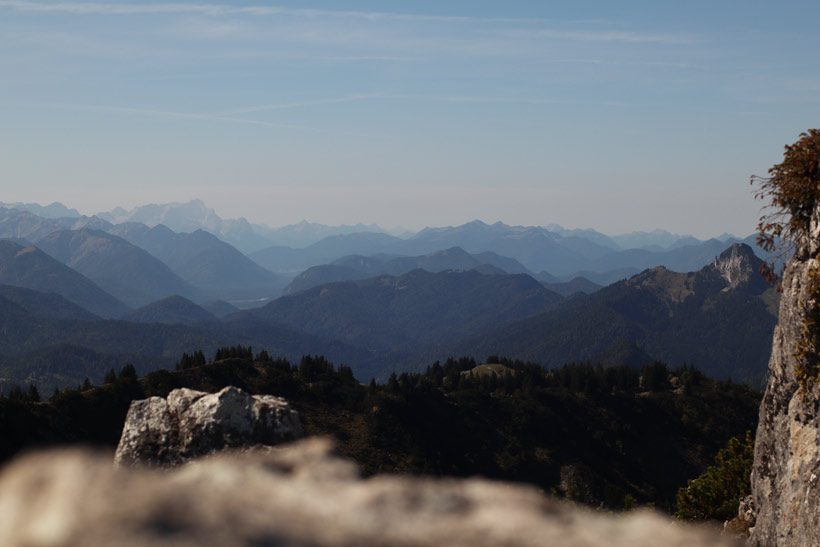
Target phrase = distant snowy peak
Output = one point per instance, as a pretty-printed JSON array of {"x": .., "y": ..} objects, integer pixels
[
  {"x": 195, "y": 215},
  {"x": 180, "y": 217}
]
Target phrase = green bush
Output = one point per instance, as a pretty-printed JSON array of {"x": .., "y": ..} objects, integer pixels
[{"x": 717, "y": 493}]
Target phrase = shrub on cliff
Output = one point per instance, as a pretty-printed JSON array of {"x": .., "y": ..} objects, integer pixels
[
  {"x": 792, "y": 190},
  {"x": 716, "y": 494}
]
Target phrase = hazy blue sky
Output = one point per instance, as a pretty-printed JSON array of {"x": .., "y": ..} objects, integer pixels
[{"x": 618, "y": 116}]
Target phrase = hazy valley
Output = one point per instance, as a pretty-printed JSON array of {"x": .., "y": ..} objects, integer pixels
[{"x": 376, "y": 302}]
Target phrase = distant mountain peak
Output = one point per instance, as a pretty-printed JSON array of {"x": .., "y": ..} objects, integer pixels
[{"x": 736, "y": 265}]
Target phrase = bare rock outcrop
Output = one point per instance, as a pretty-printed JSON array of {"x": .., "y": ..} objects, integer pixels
[
  {"x": 296, "y": 495},
  {"x": 735, "y": 266},
  {"x": 164, "y": 432},
  {"x": 786, "y": 472}
]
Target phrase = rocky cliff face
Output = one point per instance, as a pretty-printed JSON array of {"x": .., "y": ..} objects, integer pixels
[
  {"x": 165, "y": 432},
  {"x": 735, "y": 266},
  {"x": 296, "y": 495},
  {"x": 786, "y": 473}
]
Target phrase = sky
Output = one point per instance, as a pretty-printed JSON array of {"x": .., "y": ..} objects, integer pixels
[{"x": 617, "y": 116}]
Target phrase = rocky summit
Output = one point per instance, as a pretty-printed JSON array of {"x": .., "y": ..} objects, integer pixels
[
  {"x": 165, "y": 432},
  {"x": 297, "y": 495}
]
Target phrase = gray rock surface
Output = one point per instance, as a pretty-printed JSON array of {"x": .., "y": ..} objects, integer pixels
[
  {"x": 295, "y": 495},
  {"x": 786, "y": 470},
  {"x": 735, "y": 267},
  {"x": 188, "y": 424}
]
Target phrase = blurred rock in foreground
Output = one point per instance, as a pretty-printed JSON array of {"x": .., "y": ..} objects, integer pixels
[{"x": 299, "y": 494}]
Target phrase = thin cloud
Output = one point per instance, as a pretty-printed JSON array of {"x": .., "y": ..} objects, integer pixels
[
  {"x": 300, "y": 104},
  {"x": 493, "y": 100},
  {"x": 91, "y": 8},
  {"x": 184, "y": 115},
  {"x": 599, "y": 36},
  {"x": 516, "y": 35},
  {"x": 95, "y": 8},
  {"x": 210, "y": 117},
  {"x": 626, "y": 63},
  {"x": 462, "y": 99}
]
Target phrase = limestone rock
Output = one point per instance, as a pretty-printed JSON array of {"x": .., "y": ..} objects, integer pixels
[
  {"x": 786, "y": 471},
  {"x": 296, "y": 495},
  {"x": 188, "y": 424},
  {"x": 735, "y": 266},
  {"x": 740, "y": 527}
]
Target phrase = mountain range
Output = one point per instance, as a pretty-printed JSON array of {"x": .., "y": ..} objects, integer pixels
[
  {"x": 195, "y": 215},
  {"x": 353, "y": 267},
  {"x": 715, "y": 318},
  {"x": 371, "y": 300}
]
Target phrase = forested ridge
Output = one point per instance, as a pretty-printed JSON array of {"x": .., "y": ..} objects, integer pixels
[{"x": 609, "y": 437}]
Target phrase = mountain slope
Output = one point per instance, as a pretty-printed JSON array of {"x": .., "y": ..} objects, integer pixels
[
  {"x": 49, "y": 305},
  {"x": 718, "y": 318},
  {"x": 215, "y": 268},
  {"x": 31, "y": 268},
  {"x": 419, "y": 308},
  {"x": 122, "y": 269},
  {"x": 172, "y": 310},
  {"x": 354, "y": 267},
  {"x": 322, "y": 275}
]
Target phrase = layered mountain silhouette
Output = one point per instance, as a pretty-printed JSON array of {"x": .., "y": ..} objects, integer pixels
[
  {"x": 54, "y": 349},
  {"x": 375, "y": 302},
  {"x": 195, "y": 215},
  {"x": 28, "y": 227},
  {"x": 355, "y": 267},
  {"x": 556, "y": 257},
  {"x": 213, "y": 267},
  {"x": 124, "y": 270},
  {"x": 553, "y": 252},
  {"x": 31, "y": 268}
]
